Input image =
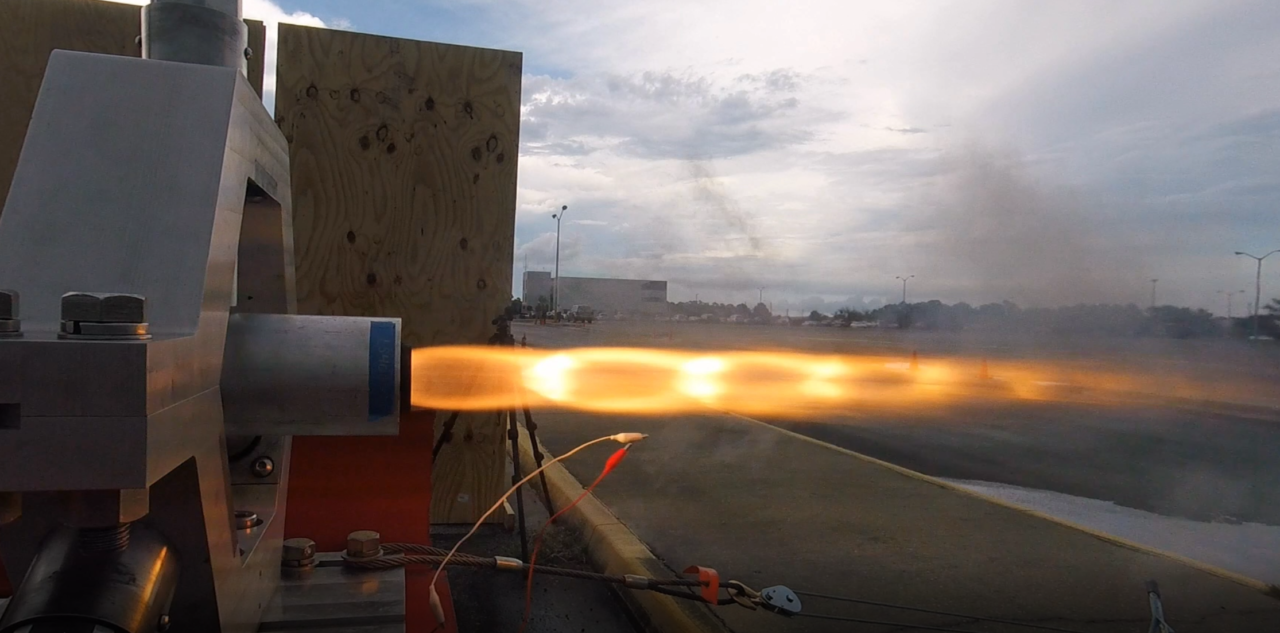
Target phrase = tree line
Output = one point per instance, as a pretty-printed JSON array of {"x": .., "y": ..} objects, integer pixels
[{"x": 1092, "y": 319}]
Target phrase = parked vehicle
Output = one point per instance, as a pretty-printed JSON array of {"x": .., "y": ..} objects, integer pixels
[{"x": 582, "y": 314}]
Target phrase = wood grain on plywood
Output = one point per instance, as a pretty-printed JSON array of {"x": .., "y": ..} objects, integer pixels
[{"x": 403, "y": 161}]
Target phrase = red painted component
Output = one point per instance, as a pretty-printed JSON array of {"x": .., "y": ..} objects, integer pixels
[
  {"x": 710, "y": 579},
  {"x": 341, "y": 484}
]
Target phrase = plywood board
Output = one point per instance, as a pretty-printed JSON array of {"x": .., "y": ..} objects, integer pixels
[
  {"x": 31, "y": 29},
  {"x": 403, "y": 159}
]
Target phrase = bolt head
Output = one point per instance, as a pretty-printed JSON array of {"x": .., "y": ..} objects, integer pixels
[
  {"x": 363, "y": 544},
  {"x": 8, "y": 304},
  {"x": 104, "y": 307},
  {"x": 298, "y": 549},
  {"x": 263, "y": 467}
]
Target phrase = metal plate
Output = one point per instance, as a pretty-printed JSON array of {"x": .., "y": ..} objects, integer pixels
[{"x": 330, "y": 597}]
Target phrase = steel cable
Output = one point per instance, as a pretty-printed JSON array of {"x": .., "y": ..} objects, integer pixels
[{"x": 966, "y": 616}]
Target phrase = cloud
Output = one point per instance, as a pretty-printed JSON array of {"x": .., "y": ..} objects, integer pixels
[
  {"x": 664, "y": 114},
  {"x": 728, "y": 144}
]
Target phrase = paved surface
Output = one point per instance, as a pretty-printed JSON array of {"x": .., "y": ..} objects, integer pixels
[
  {"x": 1166, "y": 461},
  {"x": 485, "y": 600},
  {"x": 767, "y": 507},
  {"x": 1169, "y": 461}
]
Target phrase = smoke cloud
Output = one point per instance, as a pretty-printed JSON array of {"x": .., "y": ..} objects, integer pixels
[{"x": 1009, "y": 235}]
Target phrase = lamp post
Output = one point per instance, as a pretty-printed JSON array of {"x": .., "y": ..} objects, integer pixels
[
  {"x": 1153, "y": 293},
  {"x": 904, "y": 287},
  {"x": 1229, "y": 294},
  {"x": 762, "y": 294},
  {"x": 555, "y": 289},
  {"x": 1257, "y": 287}
]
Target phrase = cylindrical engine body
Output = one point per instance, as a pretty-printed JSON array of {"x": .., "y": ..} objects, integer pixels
[{"x": 288, "y": 374}]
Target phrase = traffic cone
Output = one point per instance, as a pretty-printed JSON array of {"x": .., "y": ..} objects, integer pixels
[
  {"x": 985, "y": 374},
  {"x": 915, "y": 361}
]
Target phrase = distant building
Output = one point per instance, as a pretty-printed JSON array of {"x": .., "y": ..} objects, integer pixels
[
  {"x": 536, "y": 284},
  {"x": 609, "y": 296}
]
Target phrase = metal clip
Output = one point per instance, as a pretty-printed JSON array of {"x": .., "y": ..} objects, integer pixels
[
  {"x": 506, "y": 563},
  {"x": 780, "y": 599},
  {"x": 742, "y": 594}
]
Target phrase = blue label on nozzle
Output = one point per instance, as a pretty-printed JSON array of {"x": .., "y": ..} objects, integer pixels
[{"x": 382, "y": 369}]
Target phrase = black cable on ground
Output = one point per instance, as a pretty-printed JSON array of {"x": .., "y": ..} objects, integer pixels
[
  {"x": 931, "y": 611},
  {"x": 901, "y": 625},
  {"x": 414, "y": 554}
]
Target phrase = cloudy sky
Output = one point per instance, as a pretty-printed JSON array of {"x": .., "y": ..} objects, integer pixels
[{"x": 1043, "y": 152}]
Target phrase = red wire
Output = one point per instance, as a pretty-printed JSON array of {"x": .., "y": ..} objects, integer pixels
[{"x": 609, "y": 465}]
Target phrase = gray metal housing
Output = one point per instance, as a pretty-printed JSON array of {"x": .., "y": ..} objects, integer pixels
[{"x": 133, "y": 179}]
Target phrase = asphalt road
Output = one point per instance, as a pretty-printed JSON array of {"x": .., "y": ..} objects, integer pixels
[{"x": 1169, "y": 461}]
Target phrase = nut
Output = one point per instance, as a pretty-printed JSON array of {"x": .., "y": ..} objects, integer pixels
[
  {"x": 298, "y": 549},
  {"x": 8, "y": 304},
  {"x": 364, "y": 544},
  {"x": 104, "y": 307}
]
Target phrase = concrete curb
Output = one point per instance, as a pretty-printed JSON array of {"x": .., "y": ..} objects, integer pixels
[
  {"x": 614, "y": 549},
  {"x": 1265, "y": 588}
]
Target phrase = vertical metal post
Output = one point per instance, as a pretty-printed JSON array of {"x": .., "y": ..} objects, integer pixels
[
  {"x": 207, "y": 32},
  {"x": 555, "y": 290},
  {"x": 1257, "y": 296}
]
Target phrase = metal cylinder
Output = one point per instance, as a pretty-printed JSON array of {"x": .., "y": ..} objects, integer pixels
[
  {"x": 311, "y": 375},
  {"x": 123, "y": 577},
  {"x": 208, "y": 32}
]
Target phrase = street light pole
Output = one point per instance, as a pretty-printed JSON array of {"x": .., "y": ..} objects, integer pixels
[
  {"x": 1153, "y": 293},
  {"x": 1257, "y": 287},
  {"x": 761, "y": 294},
  {"x": 555, "y": 289},
  {"x": 904, "y": 287},
  {"x": 1229, "y": 294}
]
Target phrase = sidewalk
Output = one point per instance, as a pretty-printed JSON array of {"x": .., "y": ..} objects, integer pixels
[{"x": 767, "y": 507}]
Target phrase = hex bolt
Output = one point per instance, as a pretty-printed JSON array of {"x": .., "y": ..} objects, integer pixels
[
  {"x": 364, "y": 544},
  {"x": 10, "y": 324},
  {"x": 298, "y": 552},
  {"x": 104, "y": 315},
  {"x": 263, "y": 467},
  {"x": 8, "y": 304}
]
